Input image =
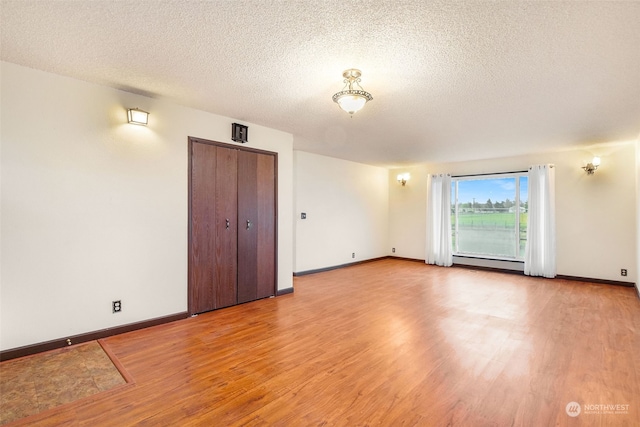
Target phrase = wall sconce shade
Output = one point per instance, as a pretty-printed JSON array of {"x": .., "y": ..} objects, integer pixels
[
  {"x": 403, "y": 178},
  {"x": 137, "y": 117},
  {"x": 591, "y": 167},
  {"x": 349, "y": 99}
]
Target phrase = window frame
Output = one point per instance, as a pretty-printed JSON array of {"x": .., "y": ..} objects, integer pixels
[{"x": 455, "y": 179}]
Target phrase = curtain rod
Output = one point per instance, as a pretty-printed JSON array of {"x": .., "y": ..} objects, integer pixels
[{"x": 485, "y": 174}]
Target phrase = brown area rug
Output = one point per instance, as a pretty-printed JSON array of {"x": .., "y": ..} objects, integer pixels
[{"x": 34, "y": 384}]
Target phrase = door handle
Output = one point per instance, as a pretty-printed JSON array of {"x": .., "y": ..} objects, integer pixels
[
  {"x": 248, "y": 224},
  {"x": 227, "y": 223}
]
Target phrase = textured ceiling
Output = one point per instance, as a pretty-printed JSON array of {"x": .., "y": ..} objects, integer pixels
[{"x": 451, "y": 80}]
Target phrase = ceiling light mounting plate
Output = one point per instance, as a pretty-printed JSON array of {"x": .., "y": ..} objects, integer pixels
[{"x": 351, "y": 74}]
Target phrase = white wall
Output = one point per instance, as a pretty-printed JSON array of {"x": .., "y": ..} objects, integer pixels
[
  {"x": 407, "y": 213},
  {"x": 347, "y": 211},
  {"x": 638, "y": 212},
  {"x": 596, "y": 215},
  {"x": 94, "y": 209}
]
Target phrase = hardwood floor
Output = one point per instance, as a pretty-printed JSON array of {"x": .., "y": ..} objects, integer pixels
[{"x": 387, "y": 343}]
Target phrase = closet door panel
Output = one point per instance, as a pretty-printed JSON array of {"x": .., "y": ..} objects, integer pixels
[
  {"x": 232, "y": 236},
  {"x": 247, "y": 226},
  {"x": 201, "y": 271},
  {"x": 226, "y": 227},
  {"x": 266, "y": 199}
]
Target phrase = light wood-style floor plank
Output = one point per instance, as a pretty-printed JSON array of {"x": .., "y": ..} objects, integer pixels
[{"x": 388, "y": 343}]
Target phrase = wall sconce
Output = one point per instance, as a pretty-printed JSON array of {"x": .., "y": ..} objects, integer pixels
[
  {"x": 137, "y": 117},
  {"x": 403, "y": 178},
  {"x": 590, "y": 168}
]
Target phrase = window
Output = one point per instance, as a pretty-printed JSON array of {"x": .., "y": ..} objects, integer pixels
[{"x": 489, "y": 215}]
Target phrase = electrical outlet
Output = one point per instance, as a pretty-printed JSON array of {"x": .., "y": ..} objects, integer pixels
[
  {"x": 117, "y": 306},
  {"x": 623, "y": 272},
  {"x": 393, "y": 250},
  {"x": 353, "y": 255},
  {"x": 303, "y": 215}
]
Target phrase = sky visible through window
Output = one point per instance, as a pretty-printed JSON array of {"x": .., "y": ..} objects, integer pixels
[{"x": 496, "y": 189}]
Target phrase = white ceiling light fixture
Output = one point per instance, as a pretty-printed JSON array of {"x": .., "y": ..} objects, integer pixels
[{"x": 349, "y": 99}]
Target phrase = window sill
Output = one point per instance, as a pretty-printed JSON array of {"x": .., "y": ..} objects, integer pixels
[
  {"x": 489, "y": 258},
  {"x": 479, "y": 261}
]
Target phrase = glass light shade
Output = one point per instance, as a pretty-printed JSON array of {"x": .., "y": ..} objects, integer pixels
[
  {"x": 596, "y": 161},
  {"x": 137, "y": 117},
  {"x": 352, "y": 103}
]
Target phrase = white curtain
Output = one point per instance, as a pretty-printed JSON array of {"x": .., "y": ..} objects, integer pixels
[
  {"x": 540, "y": 250},
  {"x": 439, "y": 221}
]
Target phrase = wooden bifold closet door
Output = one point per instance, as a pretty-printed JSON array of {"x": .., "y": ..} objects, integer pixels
[
  {"x": 232, "y": 225},
  {"x": 256, "y": 231}
]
